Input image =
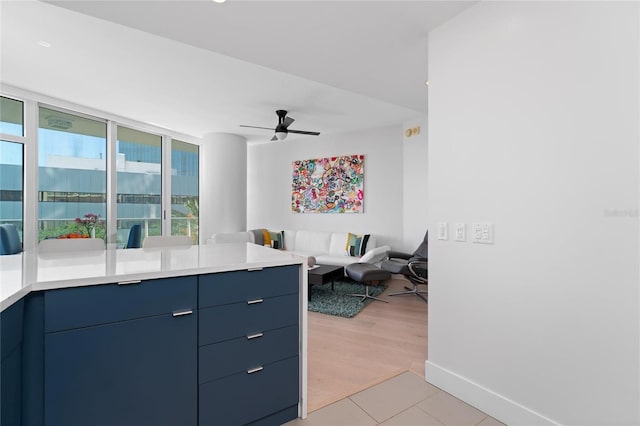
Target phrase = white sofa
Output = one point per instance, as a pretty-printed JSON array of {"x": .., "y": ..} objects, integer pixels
[{"x": 328, "y": 248}]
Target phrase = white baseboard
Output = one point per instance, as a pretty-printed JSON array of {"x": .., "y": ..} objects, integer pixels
[{"x": 495, "y": 405}]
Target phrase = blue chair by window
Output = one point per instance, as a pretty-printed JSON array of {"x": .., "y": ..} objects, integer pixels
[
  {"x": 135, "y": 237},
  {"x": 9, "y": 240}
]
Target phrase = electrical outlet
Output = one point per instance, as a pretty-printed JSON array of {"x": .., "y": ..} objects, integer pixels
[
  {"x": 461, "y": 232},
  {"x": 443, "y": 231}
]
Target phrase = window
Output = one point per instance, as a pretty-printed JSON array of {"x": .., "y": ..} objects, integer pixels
[
  {"x": 74, "y": 171},
  {"x": 184, "y": 189},
  {"x": 11, "y": 185},
  {"x": 72, "y": 178},
  {"x": 139, "y": 182},
  {"x": 11, "y": 117}
]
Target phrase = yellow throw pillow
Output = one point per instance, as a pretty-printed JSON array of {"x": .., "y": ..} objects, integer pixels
[{"x": 267, "y": 237}]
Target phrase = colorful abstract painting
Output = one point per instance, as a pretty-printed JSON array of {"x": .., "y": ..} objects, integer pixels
[{"x": 328, "y": 185}]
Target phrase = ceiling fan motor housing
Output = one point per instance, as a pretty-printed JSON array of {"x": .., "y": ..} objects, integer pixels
[{"x": 282, "y": 129}]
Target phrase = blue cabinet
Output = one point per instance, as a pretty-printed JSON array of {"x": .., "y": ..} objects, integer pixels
[
  {"x": 10, "y": 364},
  {"x": 249, "y": 345},
  {"x": 77, "y": 307},
  {"x": 134, "y": 368},
  {"x": 138, "y": 372},
  {"x": 249, "y": 396},
  {"x": 241, "y": 286},
  {"x": 212, "y": 349}
]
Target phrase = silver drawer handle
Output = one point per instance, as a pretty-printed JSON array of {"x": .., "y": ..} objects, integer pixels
[
  {"x": 254, "y": 336},
  {"x": 129, "y": 282},
  {"x": 254, "y": 301},
  {"x": 181, "y": 313},
  {"x": 254, "y": 269},
  {"x": 254, "y": 370}
]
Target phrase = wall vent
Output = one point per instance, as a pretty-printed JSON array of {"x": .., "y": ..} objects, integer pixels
[{"x": 59, "y": 123}]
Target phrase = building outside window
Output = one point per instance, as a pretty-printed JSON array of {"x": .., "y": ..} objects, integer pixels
[
  {"x": 11, "y": 164},
  {"x": 11, "y": 184},
  {"x": 72, "y": 178},
  {"x": 139, "y": 182},
  {"x": 184, "y": 189}
]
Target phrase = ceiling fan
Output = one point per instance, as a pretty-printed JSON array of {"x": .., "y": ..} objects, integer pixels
[{"x": 282, "y": 129}]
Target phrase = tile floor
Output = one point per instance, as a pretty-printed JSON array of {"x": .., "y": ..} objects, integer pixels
[{"x": 404, "y": 400}]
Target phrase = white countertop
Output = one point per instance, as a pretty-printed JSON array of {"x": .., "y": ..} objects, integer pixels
[{"x": 33, "y": 271}]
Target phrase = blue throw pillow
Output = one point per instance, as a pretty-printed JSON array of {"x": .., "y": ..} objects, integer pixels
[{"x": 277, "y": 239}]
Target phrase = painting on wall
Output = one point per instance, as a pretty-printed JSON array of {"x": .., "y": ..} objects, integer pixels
[{"x": 328, "y": 185}]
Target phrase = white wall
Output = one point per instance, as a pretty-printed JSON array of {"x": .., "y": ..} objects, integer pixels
[
  {"x": 223, "y": 188},
  {"x": 269, "y": 183},
  {"x": 414, "y": 201},
  {"x": 534, "y": 123}
]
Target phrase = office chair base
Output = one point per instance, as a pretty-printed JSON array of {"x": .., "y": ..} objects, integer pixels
[
  {"x": 366, "y": 296},
  {"x": 414, "y": 290}
]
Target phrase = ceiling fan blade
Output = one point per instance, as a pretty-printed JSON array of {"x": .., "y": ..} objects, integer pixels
[
  {"x": 303, "y": 132},
  {"x": 256, "y": 127},
  {"x": 283, "y": 123},
  {"x": 287, "y": 121}
]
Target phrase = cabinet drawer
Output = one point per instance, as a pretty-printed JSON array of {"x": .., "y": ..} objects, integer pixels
[
  {"x": 101, "y": 304},
  {"x": 233, "y": 356},
  {"x": 238, "y": 286},
  {"x": 243, "y": 398},
  {"x": 242, "y": 319}
]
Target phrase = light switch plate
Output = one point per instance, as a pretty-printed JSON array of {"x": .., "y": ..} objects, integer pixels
[
  {"x": 443, "y": 231},
  {"x": 461, "y": 232},
  {"x": 476, "y": 232},
  {"x": 487, "y": 233},
  {"x": 482, "y": 232}
]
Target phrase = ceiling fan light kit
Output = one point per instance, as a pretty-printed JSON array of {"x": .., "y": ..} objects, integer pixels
[{"x": 282, "y": 129}]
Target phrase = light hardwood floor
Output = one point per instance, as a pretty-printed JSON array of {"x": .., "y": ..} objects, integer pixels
[{"x": 346, "y": 356}]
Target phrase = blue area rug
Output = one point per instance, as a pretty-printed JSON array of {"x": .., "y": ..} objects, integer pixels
[{"x": 338, "y": 302}]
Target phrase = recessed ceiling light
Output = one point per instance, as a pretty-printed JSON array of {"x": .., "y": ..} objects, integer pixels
[
  {"x": 219, "y": 1},
  {"x": 426, "y": 83},
  {"x": 44, "y": 43}
]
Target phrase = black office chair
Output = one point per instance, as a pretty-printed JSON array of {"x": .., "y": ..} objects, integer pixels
[
  {"x": 412, "y": 266},
  {"x": 9, "y": 240},
  {"x": 135, "y": 237}
]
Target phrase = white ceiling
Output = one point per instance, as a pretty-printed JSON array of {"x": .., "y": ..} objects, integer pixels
[{"x": 198, "y": 66}]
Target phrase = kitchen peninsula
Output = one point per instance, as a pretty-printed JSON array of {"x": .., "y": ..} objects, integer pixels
[{"x": 201, "y": 335}]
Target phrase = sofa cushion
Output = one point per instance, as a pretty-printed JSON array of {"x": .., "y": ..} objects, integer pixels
[
  {"x": 258, "y": 236},
  {"x": 289, "y": 239},
  {"x": 337, "y": 246},
  {"x": 308, "y": 253},
  {"x": 371, "y": 243},
  {"x": 313, "y": 241}
]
